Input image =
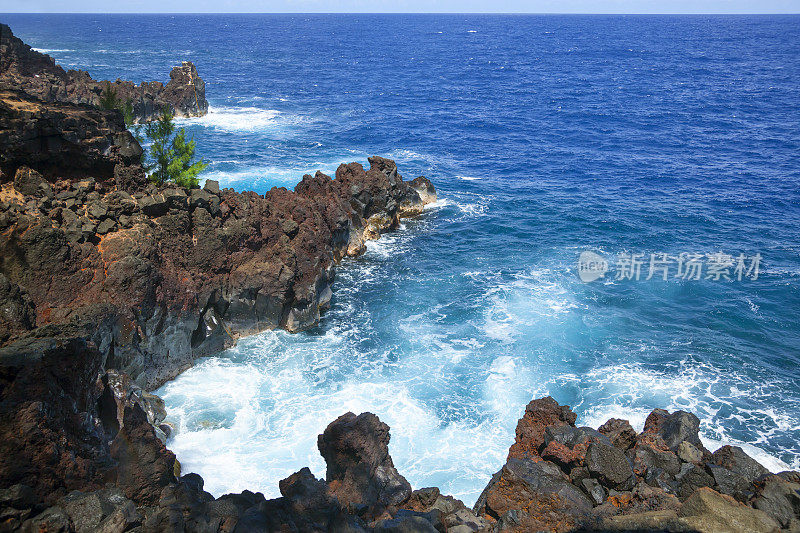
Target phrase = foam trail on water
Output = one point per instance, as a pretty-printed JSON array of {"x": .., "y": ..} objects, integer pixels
[{"x": 237, "y": 119}]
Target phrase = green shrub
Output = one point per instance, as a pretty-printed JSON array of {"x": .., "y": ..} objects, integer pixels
[{"x": 171, "y": 156}]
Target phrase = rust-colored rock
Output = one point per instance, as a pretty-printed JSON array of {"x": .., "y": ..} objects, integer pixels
[{"x": 539, "y": 414}]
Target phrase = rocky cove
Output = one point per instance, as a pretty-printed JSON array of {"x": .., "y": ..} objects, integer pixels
[{"x": 111, "y": 285}]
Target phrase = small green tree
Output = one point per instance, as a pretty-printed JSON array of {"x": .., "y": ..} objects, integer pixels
[
  {"x": 171, "y": 155},
  {"x": 108, "y": 98}
]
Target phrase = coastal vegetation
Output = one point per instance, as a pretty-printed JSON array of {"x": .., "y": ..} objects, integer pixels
[{"x": 170, "y": 157}]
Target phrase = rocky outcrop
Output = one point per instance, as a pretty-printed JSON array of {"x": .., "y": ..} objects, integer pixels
[
  {"x": 79, "y": 453},
  {"x": 38, "y": 75},
  {"x": 560, "y": 477},
  {"x": 156, "y": 276},
  {"x": 107, "y": 471},
  {"x": 360, "y": 473},
  {"x": 183, "y": 273},
  {"x": 62, "y": 141}
]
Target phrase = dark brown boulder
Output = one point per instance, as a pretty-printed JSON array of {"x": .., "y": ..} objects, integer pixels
[
  {"x": 779, "y": 497},
  {"x": 736, "y": 460},
  {"x": 144, "y": 465},
  {"x": 360, "y": 471},
  {"x": 665, "y": 429},
  {"x": 533, "y": 495},
  {"x": 620, "y": 432},
  {"x": 609, "y": 465}
]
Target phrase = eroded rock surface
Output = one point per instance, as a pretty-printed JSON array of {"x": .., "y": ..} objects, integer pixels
[
  {"x": 37, "y": 74},
  {"x": 560, "y": 477}
]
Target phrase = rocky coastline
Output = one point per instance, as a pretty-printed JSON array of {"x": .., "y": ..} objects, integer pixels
[
  {"x": 109, "y": 286},
  {"x": 37, "y": 74}
]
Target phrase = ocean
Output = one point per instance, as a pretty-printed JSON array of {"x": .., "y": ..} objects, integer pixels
[{"x": 629, "y": 137}]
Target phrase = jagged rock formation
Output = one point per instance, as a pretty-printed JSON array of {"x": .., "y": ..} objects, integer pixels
[
  {"x": 560, "y": 477},
  {"x": 38, "y": 75},
  {"x": 158, "y": 276},
  {"x": 78, "y": 452},
  {"x": 103, "y": 275},
  {"x": 178, "y": 273},
  {"x": 64, "y": 141}
]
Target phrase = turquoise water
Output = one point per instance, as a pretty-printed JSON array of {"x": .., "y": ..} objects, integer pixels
[{"x": 546, "y": 136}]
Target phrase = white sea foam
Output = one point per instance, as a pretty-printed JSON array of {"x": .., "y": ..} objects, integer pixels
[
  {"x": 273, "y": 412},
  {"x": 451, "y": 392},
  {"x": 468, "y": 178},
  {"x": 51, "y": 50},
  {"x": 235, "y": 119}
]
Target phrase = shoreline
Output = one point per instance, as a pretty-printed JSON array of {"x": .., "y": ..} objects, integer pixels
[{"x": 141, "y": 280}]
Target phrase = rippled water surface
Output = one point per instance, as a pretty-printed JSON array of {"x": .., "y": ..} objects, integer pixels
[{"x": 546, "y": 136}]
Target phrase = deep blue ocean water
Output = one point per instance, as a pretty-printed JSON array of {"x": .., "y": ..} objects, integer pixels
[{"x": 546, "y": 136}]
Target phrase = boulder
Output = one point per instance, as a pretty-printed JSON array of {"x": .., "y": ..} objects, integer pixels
[
  {"x": 736, "y": 460},
  {"x": 673, "y": 428},
  {"x": 539, "y": 415},
  {"x": 730, "y": 483},
  {"x": 144, "y": 465},
  {"x": 30, "y": 183},
  {"x": 780, "y": 499},
  {"x": 360, "y": 471},
  {"x": 609, "y": 465},
  {"x": 688, "y": 453},
  {"x": 707, "y": 511},
  {"x": 536, "y": 494},
  {"x": 690, "y": 478},
  {"x": 620, "y": 432},
  {"x": 647, "y": 458},
  {"x": 155, "y": 205}
]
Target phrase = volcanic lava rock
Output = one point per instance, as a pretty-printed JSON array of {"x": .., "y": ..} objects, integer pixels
[
  {"x": 60, "y": 140},
  {"x": 610, "y": 465},
  {"x": 737, "y": 461},
  {"x": 188, "y": 271},
  {"x": 539, "y": 414},
  {"x": 620, "y": 432},
  {"x": 360, "y": 471},
  {"x": 38, "y": 75},
  {"x": 535, "y": 495},
  {"x": 670, "y": 429}
]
